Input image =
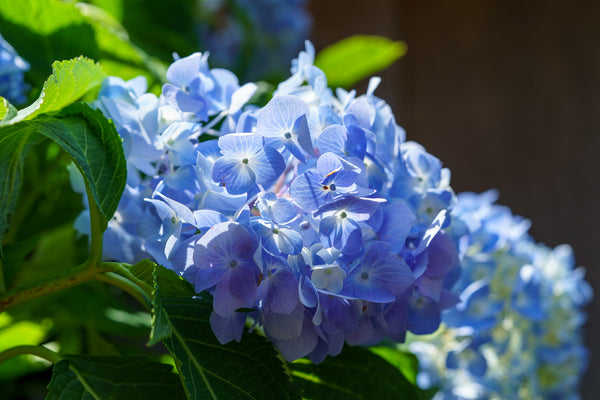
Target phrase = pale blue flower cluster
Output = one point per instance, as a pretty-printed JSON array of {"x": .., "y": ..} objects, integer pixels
[
  {"x": 516, "y": 332},
  {"x": 12, "y": 71},
  {"x": 312, "y": 215},
  {"x": 254, "y": 38}
]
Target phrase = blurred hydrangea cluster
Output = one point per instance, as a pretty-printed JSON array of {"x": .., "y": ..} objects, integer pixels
[
  {"x": 516, "y": 332},
  {"x": 254, "y": 38},
  {"x": 311, "y": 214},
  {"x": 12, "y": 70}
]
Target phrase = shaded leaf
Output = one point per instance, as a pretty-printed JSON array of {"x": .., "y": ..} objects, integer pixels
[
  {"x": 14, "y": 256},
  {"x": 250, "y": 369},
  {"x": 355, "y": 374},
  {"x": 171, "y": 284},
  {"x": 164, "y": 282},
  {"x": 406, "y": 362},
  {"x": 352, "y": 59},
  {"x": 131, "y": 377},
  {"x": 86, "y": 135}
]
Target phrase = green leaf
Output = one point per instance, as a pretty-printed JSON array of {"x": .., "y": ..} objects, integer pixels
[
  {"x": 7, "y": 110},
  {"x": 250, "y": 369},
  {"x": 164, "y": 282},
  {"x": 131, "y": 377},
  {"x": 18, "y": 333},
  {"x": 14, "y": 256},
  {"x": 70, "y": 80},
  {"x": 46, "y": 30},
  {"x": 406, "y": 362},
  {"x": 354, "y": 374},
  {"x": 352, "y": 59},
  {"x": 86, "y": 135},
  {"x": 171, "y": 284}
]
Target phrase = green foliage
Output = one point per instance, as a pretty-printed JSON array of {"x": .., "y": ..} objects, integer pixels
[
  {"x": 350, "y": 60},
  {"x": 404, "y": 361},
  {"x": 18, "y": 333},
  {"x": 7, "y": 110},
  {"x": 163, "y": 282},
  {"x": 356, "y": 373},
  {"x": 88, "y": 138},
  {"x": 48, "y": 30},
  {"x": 250, "y": 369},
  {"x": 70, "y": 80},
  {"x": 132, "y": 377},
  {"x": 40, "y": 246}
]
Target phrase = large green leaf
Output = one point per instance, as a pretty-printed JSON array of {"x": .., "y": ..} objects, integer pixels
[
  {"x": 352, "y": 59},
  {"x": 250, "y": 369},
  {"x": 86, "y": 135},
  {"x": 46, "y": 30},
  {"x": 405, "y": 362},
  {"x": 70, "y": 80},
  {"x": 99, "y": 378},
  {"x": 356, "y": 373}
]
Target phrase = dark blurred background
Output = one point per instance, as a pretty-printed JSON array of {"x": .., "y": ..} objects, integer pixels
[{"x": 507, "y": 95}]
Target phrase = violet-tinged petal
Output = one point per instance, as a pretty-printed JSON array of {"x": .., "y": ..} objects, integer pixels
[
  {"x": 285, "y": 326},
  {"x": 228, "y": 328},
  {"x": 235, "y": 290}
]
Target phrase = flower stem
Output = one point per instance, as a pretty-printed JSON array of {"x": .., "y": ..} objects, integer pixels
[
  {"x": 96, "y": 229},
  {"x": 119, "y": 269},
  {"x": 130, "y": 287},
  {"x": 72, "y": 278},
  {"x": 38, "y": 351}
]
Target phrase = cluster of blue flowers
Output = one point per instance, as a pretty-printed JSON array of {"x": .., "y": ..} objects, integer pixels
[
  {"x": 12, "y": 71},
  {"x": 311, "y": 215},
  {"x": 516, "y": 332},
  {"x": 255, "y": 38}
]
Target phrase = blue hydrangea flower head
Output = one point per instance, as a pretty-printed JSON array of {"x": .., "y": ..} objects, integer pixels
[
  {"x": 310, "y": 213},
  {"x": 517, "y": 331}
]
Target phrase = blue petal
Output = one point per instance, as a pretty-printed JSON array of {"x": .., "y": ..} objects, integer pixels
[
  {"x": 238, "y": 177},
  {"x": 278, "y": 117},
  {"x": 267, "y": 165},
  {"x": 228, "y": 328},
  {"x": 285, "y": 325},
  {"x": 398, "y": 220},
  {"x": 237, "y": 289},
  {"x": 333, "y": 139},
  {"x": 341, "y": 233},
  {"x": 301, "y": 131}
]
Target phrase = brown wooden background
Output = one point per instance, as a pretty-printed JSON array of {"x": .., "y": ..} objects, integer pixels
[{"x": 507, "y": 95}]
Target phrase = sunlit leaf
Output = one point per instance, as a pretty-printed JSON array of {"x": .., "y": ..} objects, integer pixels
[{"x": 352, "y": 59}]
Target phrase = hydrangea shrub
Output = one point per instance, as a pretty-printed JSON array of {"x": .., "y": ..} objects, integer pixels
[{"x": 312, "y": 215}]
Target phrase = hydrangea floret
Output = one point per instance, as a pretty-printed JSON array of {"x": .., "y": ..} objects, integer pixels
[
  {"x": 516, "y": 334},
  {"x": 12, "y": 71},
  {"x": 310, "y": 216}
]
